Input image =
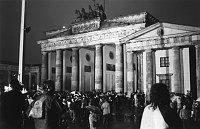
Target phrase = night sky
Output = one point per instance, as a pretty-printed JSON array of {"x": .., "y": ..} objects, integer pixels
[{"x": 44, "y": 15}]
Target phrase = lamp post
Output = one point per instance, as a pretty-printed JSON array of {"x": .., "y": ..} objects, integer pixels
[{"x": 21, "y": 47}]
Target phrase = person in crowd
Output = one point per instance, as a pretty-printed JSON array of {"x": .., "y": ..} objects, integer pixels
[
  {"x": 84, "y": 113},
  {"x": 179, "y": 104},
  {"x": 185, "y": 116},
  {"x": 70, "y": 116},
  {"x": 77, "y": 110},
  {"x": 52, "y": 107},
  {"x": 63, "y": 119},
  {"x": 101, "y": 101},
  {"x": 93, "y": 116},
  {"x": 136, "y": 98},
  {"x": 158, "y": 114},
  {"x": 13, "y": 105},
  {"x": 106, "y": 113},
  {"x": 194, "y": 110},
  {"x": 92, "y": 120}
]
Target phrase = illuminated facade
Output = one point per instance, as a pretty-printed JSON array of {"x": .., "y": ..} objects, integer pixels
[{"x": 122, "y": 54}]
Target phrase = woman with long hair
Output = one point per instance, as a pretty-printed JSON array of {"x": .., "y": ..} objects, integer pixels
[{"x": 158, "y": 114}]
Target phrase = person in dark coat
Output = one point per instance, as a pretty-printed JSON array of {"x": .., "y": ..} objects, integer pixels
[{"x": 13, "y": 106}]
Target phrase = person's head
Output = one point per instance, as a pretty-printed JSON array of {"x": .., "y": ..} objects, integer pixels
[
  {"x": 48, "y": 86},
  {"x": 106, "y": 99},
  {"x": 15, "y": 84},
  {"x": 159, "y": 95}
]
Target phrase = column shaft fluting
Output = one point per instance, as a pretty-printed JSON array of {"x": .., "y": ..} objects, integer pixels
[
  {"x": 119, "y": 69},
  {"x": 98, "y": 68},
  {"x": 49, "y": 76},
  {"x": 64, "y": 70},
  {"x": 58, "y": 83},
  {"x": 176, "y": 77},
  {"x": 198, "y": 69},
  {"x": 130, "y": 77},
  {"x": 74, "y": 84},
  {"x": 44, "y": 67},
  {"x": 149, "y": 72}
]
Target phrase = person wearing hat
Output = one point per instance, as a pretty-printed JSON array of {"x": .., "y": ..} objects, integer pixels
[{"x": 13, "y": 105}]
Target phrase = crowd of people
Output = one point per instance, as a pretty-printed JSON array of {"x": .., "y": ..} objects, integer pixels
[{"x": 68, "y": 109}]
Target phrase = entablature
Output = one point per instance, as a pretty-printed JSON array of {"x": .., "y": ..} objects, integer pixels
[
  {"x": 181, "y": 40},
  {"x": 91, "y": 38}
]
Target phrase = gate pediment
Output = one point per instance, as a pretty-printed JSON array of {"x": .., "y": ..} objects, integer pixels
[{"x": 162, "y": 35}]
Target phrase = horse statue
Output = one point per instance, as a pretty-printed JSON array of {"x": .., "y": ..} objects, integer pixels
[
  {"x": 97, "y": 12},
  {"x": 100, "y": 12},
  {"x": 85, "y": 15},
  {"x": 92, "y": 13},
  {"x": 79, "y": 15}
]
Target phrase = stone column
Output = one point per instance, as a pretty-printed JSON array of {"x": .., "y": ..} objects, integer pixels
[
  {"x": 135, "y": 69},
  {"x": 29, "y": 82},
  {"x": 58, "y": 83},
  {"x": 181, "y": 71},
  {"x": 198, "y": 69},
  {"x": 98, "y": 68},
  {"x": 44, "y": 67},
  {"x": 119, "y": 69},
  {"x": 125, "y": 88},
  {"x": 74, "y": 84},
  {"x": 64, "y": 70},
  {"x": 49, "y": 65},
  {"x": 149, "y": 72},
  {"x": 176, "y": 77},
  {"x": 38, "y": 78},
  {"x": 139, "y": 71},
  {"x": 130, "y": 77}
]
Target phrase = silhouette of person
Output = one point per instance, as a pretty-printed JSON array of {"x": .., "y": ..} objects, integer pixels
[{"x": 13, "y": 106}]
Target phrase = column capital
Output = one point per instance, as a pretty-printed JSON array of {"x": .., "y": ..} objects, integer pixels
[
  {"x": 197, "y": 46},
  {"x": 44, "y": 52},
  {"x": 148, "y": 50},
  {"x": 59, "y": 50},
  {"x": 75, "y": 48},
  {"x": 98, "y": 45},
  {"x": 118, "y": 43},
  {"x": 175, "y": 48},
  {"x": 129, "y": 52}
]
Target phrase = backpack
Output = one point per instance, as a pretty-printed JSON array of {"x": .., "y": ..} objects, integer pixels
[{"x": 37, "y": 110}]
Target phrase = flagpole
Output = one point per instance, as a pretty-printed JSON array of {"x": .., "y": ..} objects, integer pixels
[{"x": 21, "y": 47}]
